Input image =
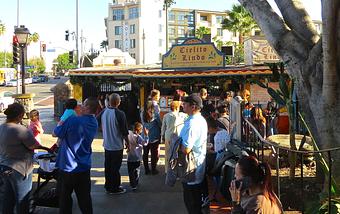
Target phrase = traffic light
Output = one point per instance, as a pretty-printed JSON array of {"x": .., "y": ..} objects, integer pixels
[
  {"x": 70, "y": 56},
  {"x": 67, "y": 34},
  {"x": 43, "y": 47},
  {"x": 16, "y": 51}
]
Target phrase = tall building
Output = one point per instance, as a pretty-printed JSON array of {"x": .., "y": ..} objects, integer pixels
[
  {"x": 183, "y": 24},
  {"x": 137, "y": 27}
]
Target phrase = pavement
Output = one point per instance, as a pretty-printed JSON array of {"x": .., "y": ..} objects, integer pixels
[{"x": 152, "y": 196}]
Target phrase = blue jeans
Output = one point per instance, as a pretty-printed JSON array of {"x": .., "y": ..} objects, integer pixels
[{"x": 14, "y": 191}]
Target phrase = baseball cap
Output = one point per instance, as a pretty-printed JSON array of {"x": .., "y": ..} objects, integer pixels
[{"x": 193, "y": 100}]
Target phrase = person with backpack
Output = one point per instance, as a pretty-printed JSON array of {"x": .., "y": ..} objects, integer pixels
[
  {"x": 194, "y": 140},
  {"x": 223, "y": 120}
]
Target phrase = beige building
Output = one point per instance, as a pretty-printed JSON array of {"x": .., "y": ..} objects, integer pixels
[{"x": 137, "y": 27}]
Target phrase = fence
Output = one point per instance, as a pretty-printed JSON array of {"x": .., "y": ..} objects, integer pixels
[{"x": 258, "y": 143}]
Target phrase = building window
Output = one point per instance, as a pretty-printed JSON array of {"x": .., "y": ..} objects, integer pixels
[
  {"x": 160, "y": 56},
  {"x": 181, "y": 31},
  {"x": 190, "y": 17},
  {"x": 172, "y": 31},
  {"x": 160, "y": 28},
  {"x": 191, "y": 31},
  {"x": 118, "y": 14},
  {"x": 204, "y": 18},
  {"x": 118, "y": 30},
  {"x": 132, "y": 29},
  {"x": 133, "y": 55},
  {"x": 132, "y": 43},
  {"x": 160, "y": 42},
  {"x": 234, "y": 34},
  {"x": 133, "y": 13},
  {"x": 118, "y": 44},
  {"x": 219, "y": 32},
  {"x": 219, "y": 19},
  {"x": 181, "y": 18},
  {"x": 171, "y": 16},
  {"x": 160, "y": 14},
  {"x": 257, "y": 33}
]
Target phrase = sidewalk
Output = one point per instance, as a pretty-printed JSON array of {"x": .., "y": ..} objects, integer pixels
[{"x": 152, "y": 196}]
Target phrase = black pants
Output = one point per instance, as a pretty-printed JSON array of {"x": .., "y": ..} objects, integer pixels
[
  {"x": 192, "y": 195},
  {"x": 133, "y": 168},
  {"x": 113, "y": 162},
  {"x": 153, "y": 147},
  {"x": 79, "y": 182}
]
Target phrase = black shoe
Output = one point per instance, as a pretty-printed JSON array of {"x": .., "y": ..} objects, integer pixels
[
  {"x": 155, "y": 172},
  {"x": 116, "y": 192}
]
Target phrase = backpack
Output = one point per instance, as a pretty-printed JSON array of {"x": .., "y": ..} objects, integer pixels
[{"x": 182, "y": 166}]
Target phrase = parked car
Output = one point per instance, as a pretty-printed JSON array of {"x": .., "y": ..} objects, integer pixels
[
  {"x": 43, "y": 78},
  {"x": 57, "y": 77},
  {"x": 12, "y": 82},
  {"x": 5, "y": 99},
  {"x": 36, "y": 79}
]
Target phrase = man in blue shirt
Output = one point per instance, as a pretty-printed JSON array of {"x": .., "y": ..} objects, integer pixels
[
  {"x": 74, "y": 157},
  {"x": 194, "y": 139}
]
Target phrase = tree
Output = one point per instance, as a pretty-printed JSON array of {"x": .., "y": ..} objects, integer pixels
[
  {"x": 8, "y": 56},
  {"x": 313, "y": 63},
  {"x": 239, "y": 21},
  {"x": 201, "y": 31},
  {"x": 63, "y": 63},
  {"x": 38, "y": 64},
  {"x": 34, "y": 37},
  {"x": 2, "y": 28},
  {"x": 104, "y": 44}
]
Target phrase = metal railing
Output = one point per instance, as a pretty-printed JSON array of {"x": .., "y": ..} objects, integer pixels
[{"x": 258, "y": 143}]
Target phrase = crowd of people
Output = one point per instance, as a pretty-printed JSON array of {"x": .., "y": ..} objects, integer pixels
[{"x": 204, "y": 127}]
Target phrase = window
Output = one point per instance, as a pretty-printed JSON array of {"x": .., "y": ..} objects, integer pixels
[
  {"x": 191, "y": 31},
  {"x": 181, "y": 31},
  {"x": 219, "y": 32},
  {"x": 181, "y": 18},
  {"x": 160, "y": 28},
  {"x": 132, "y": 43},
  {"x": 132, "y": 29},
  {"x": 171, "y": 16},
  {"x": 133, "y": 55},
  {"x": 172, "y": 31},
  {"x": 118, "y": 44},
  {"x": 257, "y": 33},
  {"x": 190, "y": 17},
  {"x": 160, "y": 56},
  {"x": 204, "y": 18},
  {"x": 160, "y": 42},
  {"x": 118, "y": 30},
  {"x": 118, "y": 14},
  {"x": 160, "y": 14},
  {"x": 133, "y": 13},
  {"x": 219, "y": 19},
  {"x": 234, "y": 34}
]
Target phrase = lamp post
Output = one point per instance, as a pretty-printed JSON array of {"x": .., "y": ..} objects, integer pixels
[{"x": 22, "y": 34}]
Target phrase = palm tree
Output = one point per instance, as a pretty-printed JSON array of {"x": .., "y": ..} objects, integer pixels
[
  {"x": 2, "y": 28},
  {"x": 201, "y": 31},
  {"x": 239, "y": 21},
  {"x": 33, "y": 38},
  {"x": 104, "y": 44}
]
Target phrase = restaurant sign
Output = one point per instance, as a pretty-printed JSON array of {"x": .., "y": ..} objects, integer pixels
[{"x": 193, "y": 53}]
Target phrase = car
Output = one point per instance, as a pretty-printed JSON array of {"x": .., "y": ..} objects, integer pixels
[
  {"x": 12, "y": 82},
  {"x": 57, "y": 77},
  {"x": 36, "y": 79},
  {"x": 43, "y": 78},
  {"x": 5, "y": 99}
]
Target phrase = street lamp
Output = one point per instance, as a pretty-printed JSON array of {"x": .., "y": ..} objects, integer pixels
[{"x": 22, "y": 34}]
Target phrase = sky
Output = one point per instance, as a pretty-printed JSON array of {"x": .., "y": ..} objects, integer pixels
[{"x": 50, "y": 18}]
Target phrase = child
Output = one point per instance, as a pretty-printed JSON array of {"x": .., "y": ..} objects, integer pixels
[
  {"x": 35, "y": 125},
  {"x": 134, "y": 152},
  {"x": 71, "y": 105}
]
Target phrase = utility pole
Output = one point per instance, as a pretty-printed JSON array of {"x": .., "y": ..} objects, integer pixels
[
  {"x": 77, "y": 50},
  {"x": 18, "y": 65}
]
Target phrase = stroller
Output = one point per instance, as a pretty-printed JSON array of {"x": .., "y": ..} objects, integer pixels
[{"x": 45, "y": 195}]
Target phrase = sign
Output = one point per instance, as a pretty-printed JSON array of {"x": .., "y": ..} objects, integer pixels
[
  {"x": 51, "y": 50},
  {"x": 193, "y": 53},
  {"x": 29, "y": 67},
  {"x": 258, "y": 51}
]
